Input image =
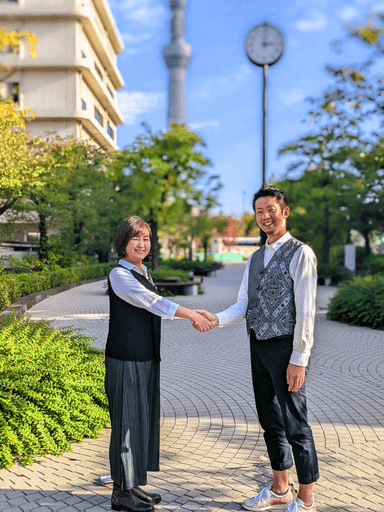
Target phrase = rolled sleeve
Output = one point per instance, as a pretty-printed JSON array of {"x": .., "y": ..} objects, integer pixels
[
  {"x": 132, "y": 291},
  {"x": 304, "y": 274}
]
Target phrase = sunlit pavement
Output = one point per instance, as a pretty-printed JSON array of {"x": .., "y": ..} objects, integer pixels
[{"x": 212, "y": 450}]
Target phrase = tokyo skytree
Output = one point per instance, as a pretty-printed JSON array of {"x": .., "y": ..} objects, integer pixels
[{"x": 176, "y": 56}]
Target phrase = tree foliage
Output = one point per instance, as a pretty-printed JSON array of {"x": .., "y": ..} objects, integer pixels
[
  {"x": 337, "y": 179},
  {"x": 166, "y": 175}
]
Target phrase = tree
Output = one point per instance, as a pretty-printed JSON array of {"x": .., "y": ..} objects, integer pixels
[
  {"x": 18, "y": 169},
  {"x": 76, "y": 198},
  {"x": 165, "y": 173}
]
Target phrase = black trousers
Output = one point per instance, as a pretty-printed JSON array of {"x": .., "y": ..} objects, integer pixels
[{"x": 282, "y": 414}]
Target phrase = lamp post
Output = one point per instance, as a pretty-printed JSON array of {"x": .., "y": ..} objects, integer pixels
[{"x": 264, "y": 46}]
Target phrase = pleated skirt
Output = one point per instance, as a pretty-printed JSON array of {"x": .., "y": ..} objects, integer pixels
[{"x": 133, "y": 390}]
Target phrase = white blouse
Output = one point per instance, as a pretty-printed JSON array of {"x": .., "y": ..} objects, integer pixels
[{"x": 129, "y": 289}]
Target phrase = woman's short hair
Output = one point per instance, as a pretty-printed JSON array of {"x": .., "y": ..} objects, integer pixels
[
  {"x": 266, "y": 191},
  {"x": 130, "y": 227}
]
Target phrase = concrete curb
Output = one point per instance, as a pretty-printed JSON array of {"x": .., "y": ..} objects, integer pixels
[{"x": 21, "y": 306}]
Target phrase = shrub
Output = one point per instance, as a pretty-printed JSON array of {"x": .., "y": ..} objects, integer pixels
[
  {"x": 51, "y": 390},
  {"x": 374, "y": 264},
  {"x": 336, "y": 272},
  {"x": 191, "y": 265},
  {"x": 15, "y": 286},
  {"x": 165, "y": 273},
  {"x": 359, "y": 301}
]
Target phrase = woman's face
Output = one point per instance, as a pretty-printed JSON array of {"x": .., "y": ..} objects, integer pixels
[{"x": 138, "y": 247}]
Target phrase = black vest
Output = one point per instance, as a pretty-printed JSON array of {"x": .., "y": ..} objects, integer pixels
[{"x": 134, "y": 333}]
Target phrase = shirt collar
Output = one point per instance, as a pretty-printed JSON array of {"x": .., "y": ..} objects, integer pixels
[
  {"x": 278, "y": 242},
  {"x": 131, "y": 266}
]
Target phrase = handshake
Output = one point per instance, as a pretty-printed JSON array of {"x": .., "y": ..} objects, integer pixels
[{"x": 203, "y": 320}]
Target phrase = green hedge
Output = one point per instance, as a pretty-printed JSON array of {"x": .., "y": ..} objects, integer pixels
[
  {"x": 15, "y": 286},
  {"x": 374, "y": 264},
  {"x": 163, "y": 272},
  {"x": 359, "y": 301},
  {"x": 51, "y": 390},
  {"x": 189, "y": 265}
]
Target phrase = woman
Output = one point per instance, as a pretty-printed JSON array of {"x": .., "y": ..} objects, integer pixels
[{"x": 132, "y": 379}]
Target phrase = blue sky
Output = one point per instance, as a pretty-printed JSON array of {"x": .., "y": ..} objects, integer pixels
[{"x": 224, "y": 90}]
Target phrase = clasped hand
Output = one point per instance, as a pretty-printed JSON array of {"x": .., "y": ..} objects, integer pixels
[{"x": 203, "y": 320}]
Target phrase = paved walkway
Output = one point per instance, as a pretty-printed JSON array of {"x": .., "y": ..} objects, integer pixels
[{"x": 212, "y": 450}]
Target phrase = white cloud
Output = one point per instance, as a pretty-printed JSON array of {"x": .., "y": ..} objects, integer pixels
[
  {"x": 225, "y": 83},
  {"x": 133, "y": 43},
  {"x": 132, "y": 104},
  {"x": 135, "y": 38},
  {"x": 315, "y": 21},
  {"x": 204, "y": 124},
  {"x": 145, "y": 12},
  {"x": 348, "y": 13},
  {"x": 291, "y": 96}
]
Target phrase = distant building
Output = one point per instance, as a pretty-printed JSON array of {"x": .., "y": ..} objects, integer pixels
[
  {"x": 225, "y": 248},
  {"x": 71, "y": 85}
]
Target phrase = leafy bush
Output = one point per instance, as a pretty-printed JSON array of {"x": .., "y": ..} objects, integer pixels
[
  {"x": 374, "y": 264},
  {"x": 359, "y": 301},
  {"x": 15, "y": 286},
  {"x": 165, "y": 273},
  {"x": 336, "y": 272},
  {"x": 191, "y": 265},
  {"x": 51, "y": 390}
]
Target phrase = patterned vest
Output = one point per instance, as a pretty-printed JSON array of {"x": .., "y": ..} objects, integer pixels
[{"x": 271, "y": 302}]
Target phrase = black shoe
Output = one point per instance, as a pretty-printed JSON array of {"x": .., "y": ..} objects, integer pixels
[
  {"x": 126, "y": 500},
  {"x": 149, "y": 497}
]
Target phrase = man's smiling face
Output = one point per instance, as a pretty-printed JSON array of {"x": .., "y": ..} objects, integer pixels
[{"x": 271, "y": 217}]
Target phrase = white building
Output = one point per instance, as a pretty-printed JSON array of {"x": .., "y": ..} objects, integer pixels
[{"x": 71, "y": 85}]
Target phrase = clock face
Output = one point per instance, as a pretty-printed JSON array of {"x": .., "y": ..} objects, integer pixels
[{"x": 264, "y": 45}]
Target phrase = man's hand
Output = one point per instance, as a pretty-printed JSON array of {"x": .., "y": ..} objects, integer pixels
[
  {"x": 213, "y": 320},
  {"x": 295, "y": 377},
  {"x": 207, "y": 320}
]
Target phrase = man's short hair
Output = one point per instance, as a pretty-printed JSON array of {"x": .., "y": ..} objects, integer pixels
[{"x": 269, "y": 192}]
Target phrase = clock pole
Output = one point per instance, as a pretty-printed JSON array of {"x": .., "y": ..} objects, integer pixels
[
  {"x": 265, "y": 72},
  {"x": 264, "y": 46}
]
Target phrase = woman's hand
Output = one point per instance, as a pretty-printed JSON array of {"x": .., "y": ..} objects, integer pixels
[
  {"x": 213, "y": 320},
  {"x": 198, "y": 320},
  {"x": 202, "y": 322}
]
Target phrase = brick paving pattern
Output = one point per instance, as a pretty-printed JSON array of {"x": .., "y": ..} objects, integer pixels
[{"x": 212, "y": 450}]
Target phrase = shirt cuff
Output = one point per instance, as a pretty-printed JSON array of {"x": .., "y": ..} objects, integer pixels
[
  {"x": 172, "y": 309},
  {"x": 221, "y": 318},
  {"x": 299, "y": 358}
]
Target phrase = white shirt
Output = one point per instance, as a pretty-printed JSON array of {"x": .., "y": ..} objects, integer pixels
[
  {"x": 129, "y": 289},
  {"x": 303, "y": 271}
]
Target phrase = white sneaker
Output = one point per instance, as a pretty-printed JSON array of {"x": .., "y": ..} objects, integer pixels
[
  {"x": 297, "y": 505},
  {"x": 268, "y": 500}
]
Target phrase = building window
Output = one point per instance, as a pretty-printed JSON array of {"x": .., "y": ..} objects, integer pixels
[
  {"x": 99, "y": 117},
  {"x": 110, "y": 131},
  {"x": 83, "y": 56},
  {"x": 8, "y": 49},
  {"x": 13, "y": 91},
  {"x": 83, "y": 105},
  {"x": 110, "y": 92},
  {"x": 98, "y": 71},
  {"x": 33, "y": 236}
]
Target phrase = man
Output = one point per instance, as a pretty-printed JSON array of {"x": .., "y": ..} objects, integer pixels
[{"x": 277, "y": 298}]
